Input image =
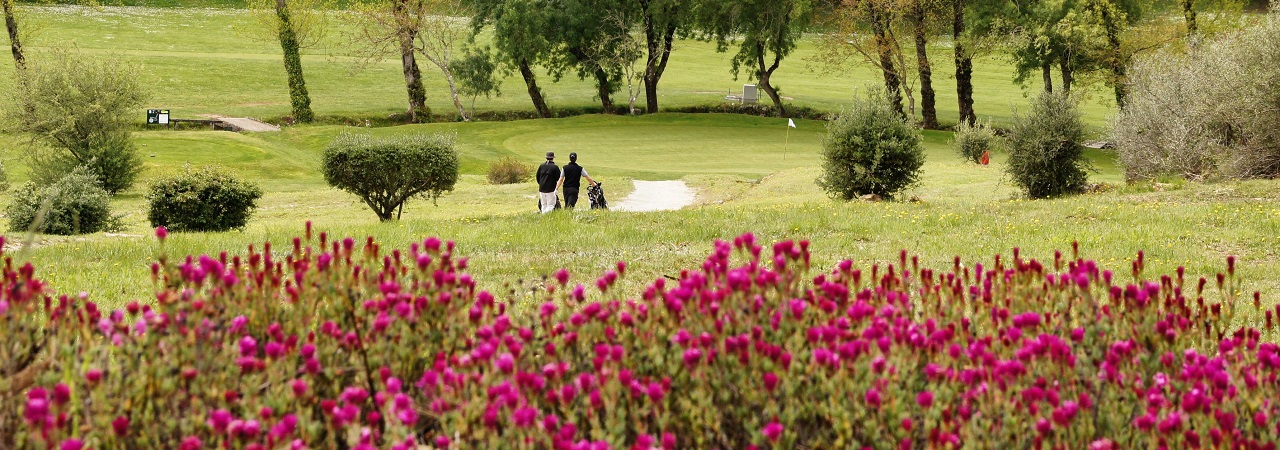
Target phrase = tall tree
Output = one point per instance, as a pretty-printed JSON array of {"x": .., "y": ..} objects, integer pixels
[
  {"x": 765, "y": 32},
  {"x": 15, "y": 40},
  {"x": 922, "y": 13},
  {"x": 661, "y": 20},
  {"x": 299, "y": 100},
  {"x": 519, "y": 38},
  {"x": 964, "y": 63},
  {"x": 392, "y": 27},
  {"x": 438, "y": 39},
  {"x": 407, "y": 29},
  {"x": 580, "y": 27},
  {"x": 295, "y": 25},
  {"x": 863, "y": 31}
]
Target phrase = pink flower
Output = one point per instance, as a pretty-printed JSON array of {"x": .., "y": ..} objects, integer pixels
[
  {"x": 442, "y": 441},
  {"x": 219, "y": 420},
  {"x": 120, "y": 425},
  {"x": 691, "y": 357},
  {"x": 872, "y": 398},
  {"x": 772, "y": 431},
  {"x": 562, "y": 276},
  {"x": 524, "y": 417},
  {"x": 72, "y": 444},
  {"x": 299, "y": 387},
  {"x": 93, "y": 376},
  {"x": 248, "y": 346},
  {"x": 668, "y": 441},
  {"x": 506, "y": 363},
  {"x": 770, "y": 381},
  {"x": 191, "y": 443},
  {"x": 924, "y": 399},
  {"x": 61, "y": 394},
  {"x": 162, "y": 232}
]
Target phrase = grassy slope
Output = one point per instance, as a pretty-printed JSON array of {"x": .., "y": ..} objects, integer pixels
[{"x": 198, "y": 64}]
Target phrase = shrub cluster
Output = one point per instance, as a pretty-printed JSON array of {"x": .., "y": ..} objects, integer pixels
[
  {"x": 344, "y": 344},
  {"x": 509, "y": 170},
  {"x": 74, "y": 204},
  {"x": 387, "y": 172},
  {"x": 204, "y": 199},
  {"x": 971, "y": 141},
  {"x": 870, "y": 149},
  {"x": 1046, "y": 148},
  {"x": 1212, "y": 112},
  {"x": 80, "y": 109}
]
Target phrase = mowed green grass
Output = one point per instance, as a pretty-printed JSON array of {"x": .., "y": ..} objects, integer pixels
[{"x": 751, "y": 175}]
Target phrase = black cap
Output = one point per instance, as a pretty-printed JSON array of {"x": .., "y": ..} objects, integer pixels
[
  {"x": 551, "y": 155},
  {"x": 573, "y": 156}
]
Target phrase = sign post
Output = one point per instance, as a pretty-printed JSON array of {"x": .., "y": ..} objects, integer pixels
[{"x": 157, "y": 117}]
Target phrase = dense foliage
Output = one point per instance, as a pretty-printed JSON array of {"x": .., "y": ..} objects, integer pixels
[
  {"x": 79, "y": 109},
  {"x": 204, "y": 199},
  {"x": 972, "y": 141},
  {"x": 340, "y": 344},
  {"x": 75, "y": 204},
  {"x": 1046, "y": 148},
  {"x": 387, "y": 172},
  {"x": 870, "y": 149},
  {"x": 509, "y": 170},
  {"x": 1211, "y": 113}
]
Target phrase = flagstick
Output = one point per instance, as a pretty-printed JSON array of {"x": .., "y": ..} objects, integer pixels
[{"x": 787, "y": 143}]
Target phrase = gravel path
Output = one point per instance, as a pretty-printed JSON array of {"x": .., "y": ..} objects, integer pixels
[{"x": 656, "y": 196}]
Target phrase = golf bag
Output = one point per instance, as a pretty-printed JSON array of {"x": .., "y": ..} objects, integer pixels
[{"x": 595, "y": 194}]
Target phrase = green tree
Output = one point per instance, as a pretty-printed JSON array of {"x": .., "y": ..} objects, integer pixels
[
  {"x": 387, "y": 172},
  {"x": 295, "y": 24},
  {"x": 870, "y": 149},
  {"x": 78, "y": 109},
  {"x": 1046, "y": 151},
  {"x": 660, "y": 20},
  {"x": 519, "y": 38},
  {"x": 765, "y": 33},
  {"x": 963, "y": 62}
]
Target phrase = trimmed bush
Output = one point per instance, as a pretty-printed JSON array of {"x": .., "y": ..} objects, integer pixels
[
  {"x": 1046, "y": 151},
  {"x": 870, "y": 149},
  {"x": 971, "y": 141},
  {"x": 204, "y": 199},
  {"x": 509, "y": 170},
  {"x": 74, "y": 204},
  {"x": 385, "y": 172}
]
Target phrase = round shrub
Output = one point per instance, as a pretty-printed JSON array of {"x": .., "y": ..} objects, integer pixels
[
  {"x": 74, "y": 204},
  {"x": 509, "y": 170},
  {"x": 385, "y": 172},
  {"x": 1046, "y": 155},
  {"x": 204, "y": 199},
  {"x": 971, "y": 141},
  {"x": 870, "y": 149}
]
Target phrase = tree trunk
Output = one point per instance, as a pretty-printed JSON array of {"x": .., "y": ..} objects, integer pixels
[
  {"x": 408, "y": 33},
  {"x": 11, "y": 24},
  {"x": 1047, "y": 77},
  {"x": 763, "y": 74},
  {"x": 1068, "y": 77},
  {"x": 299, "y": 100},
  {"x": 658, "y": 43},
  {"x": 453, "y": 92},
  {"x": 892, "y": 82},
  {"x": 535, "y": 93},
  {"x": 1189, "y": 14},
  {"x": 604, "y": 88},
  {"x": 1119, "y": 73},
  {"x": 964, "y": 65},
  {"x": 928, "y": 108}
]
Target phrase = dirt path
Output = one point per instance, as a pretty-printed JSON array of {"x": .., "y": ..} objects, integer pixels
[
  {"x": 246, "y": 124},
  {"x": 656, "y": 196}
]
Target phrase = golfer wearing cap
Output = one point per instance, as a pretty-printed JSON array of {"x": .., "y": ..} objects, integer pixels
[
  {"x": 548, "y": 182},
  {"x": 571, "y": 180}
]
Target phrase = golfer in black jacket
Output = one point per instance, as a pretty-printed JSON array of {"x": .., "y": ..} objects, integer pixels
[
  {"x": 571, "y": 180},
  {"x": 549, "y": 179}
]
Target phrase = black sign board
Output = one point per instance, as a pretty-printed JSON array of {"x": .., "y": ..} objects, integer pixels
[{"x": 157, "y": 117}]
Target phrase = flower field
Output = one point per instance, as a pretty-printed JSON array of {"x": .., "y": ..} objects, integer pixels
[{"x": 341, "y": 343}]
